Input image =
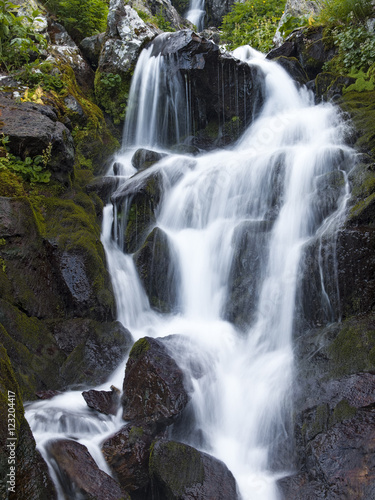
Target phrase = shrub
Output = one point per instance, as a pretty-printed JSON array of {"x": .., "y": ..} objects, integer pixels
[
  {"x": 82, "y": 18},
  {"x": 341, "y": 11},
  {"x": 19, "y": 42},
  {"x": 252, "y": 22}
]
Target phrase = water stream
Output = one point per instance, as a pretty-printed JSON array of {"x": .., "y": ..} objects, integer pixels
[
  {"x": 196, "y": 13},
  {"x": 266, "y": 186}
]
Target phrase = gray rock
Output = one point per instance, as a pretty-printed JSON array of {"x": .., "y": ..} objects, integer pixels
[{"x": 91, "y": 48}]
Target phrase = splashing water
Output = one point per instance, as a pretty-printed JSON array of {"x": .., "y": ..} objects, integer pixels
[{"x": 265, "y": 187}]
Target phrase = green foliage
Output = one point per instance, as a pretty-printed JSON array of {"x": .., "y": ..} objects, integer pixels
[
  {"x": 341, "y": 11},
  {"x": 291, "y": 23},
  {"x": 356, "y": 48},
  {"x": 82, "y": 18},
  {"x": 18, "y": 39},
  {"x": 30, "y": 169},
  {"x": 162, "y": 23},
  {"x": 252, "y": 22},
  {"x": 39, "y": 74}
]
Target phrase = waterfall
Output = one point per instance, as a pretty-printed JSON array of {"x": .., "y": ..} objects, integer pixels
[
  {"x": 196, "y": 13},
  {"x": 265, "y": 190}
]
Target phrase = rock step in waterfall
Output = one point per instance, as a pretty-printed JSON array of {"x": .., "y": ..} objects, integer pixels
[{"x": 208, "y": 383}]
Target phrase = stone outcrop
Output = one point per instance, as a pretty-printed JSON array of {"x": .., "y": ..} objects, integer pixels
[
  {"x": 106, "y": 402},
  {"x": 79, "y": 468},
  {"x": 226, "y": 93},
  {"x": 127, "y": 453},
  {"x": 32, "y": 129},
  {"x": 180, "y": 472},
  {"x": 154, "y": 389}
]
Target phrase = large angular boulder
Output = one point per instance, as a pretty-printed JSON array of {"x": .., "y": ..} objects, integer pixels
[
  {"x": 127, "y": 453},
  {"x": 154, "y": 389},
  {"x": 33, "y": 128},
  {"x": 224, "y": 93},
  {"x": 180, "y": 472},
  {"x": 76, "y": 464},
  {"x": 308, "y": 47}
]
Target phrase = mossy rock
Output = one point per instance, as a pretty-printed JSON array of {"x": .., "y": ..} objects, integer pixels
[
  {"x": 32, "y": 477},
  {"x": 74, "y": 236},
  {"x": 94, "y": 350},
  {"x": 33, "y": 350},
  {"x": 180, "y": 472},
  {"x": 353, "y": 350},
  {"x": 361, "y": 108}
]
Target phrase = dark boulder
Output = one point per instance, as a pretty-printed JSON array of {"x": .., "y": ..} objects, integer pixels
[
  {"x": 307, "y": 45},
  {"x": 225, "y": 93},
  {"x": 136, "y": 204},
  {"x": 334, "y": 412},
  {"x": 180, "y": 472},
  {"x": 127, "y": 453},
  {"x": 103, "y": 187},
  {"x": 156, "y": 265},
  {"x": 91, "y": 47},
  {"x": 145, "y": 158},
  {"x": 106, "y": 402},
  {"x": 154, "y": 386},
  {"x": 293, "y": 67},
  {"x": 33, "y": 128},
  {"x": 84, "y": 477},
  {"x": 93, "y": 350}
]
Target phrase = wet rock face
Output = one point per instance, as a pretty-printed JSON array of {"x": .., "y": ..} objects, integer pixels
[
  {"x": 31, "y": 129},
  {"x": 106, "y": 402},
  {"x": 76, "y": 464},
  {"x": 180, "y": 472},
  {"x": 226, "y": 93},
  {"x": 249, "y": 240},
  {"x": 154, "y": 387},
  {"x": 136, "y": 207},
  {"x": 127, "y": 453},
  {"x": 156, "y": 265},
  {"x": 307, "y": 46},
  {"x": 334, "y": 413}
]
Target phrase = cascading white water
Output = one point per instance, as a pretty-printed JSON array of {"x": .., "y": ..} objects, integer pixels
[
  {"x": 267, "y": 185},
  {"x": 196, "y": 13}
]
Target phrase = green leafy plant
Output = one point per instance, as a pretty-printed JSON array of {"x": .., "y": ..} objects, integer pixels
[
  {"x": 30, "y": 169},
  {"x": 356, "y": 48},
  {"x": 19, "y": 41},
  {"x": 82, "y": 18},
  {"x": 38, "y": 74},
  {"x": 252, "y": 22},
  {"x": 341, "y": 11}
]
